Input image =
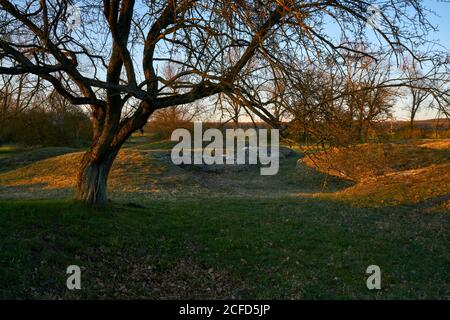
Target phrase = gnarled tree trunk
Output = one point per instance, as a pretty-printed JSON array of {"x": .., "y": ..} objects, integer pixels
[
  {"x": 93, "y": 177},
  {"x": 109, "y": 136}
]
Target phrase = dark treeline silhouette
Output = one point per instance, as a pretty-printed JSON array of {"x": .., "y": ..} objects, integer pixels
[{"x": 43, "y": 127}]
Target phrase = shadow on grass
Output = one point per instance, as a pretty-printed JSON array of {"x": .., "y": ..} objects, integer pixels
[{"x": 216, "y": 248}]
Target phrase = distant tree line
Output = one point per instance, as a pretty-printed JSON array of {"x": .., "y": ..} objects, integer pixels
[{"x": 30, "y": 117}]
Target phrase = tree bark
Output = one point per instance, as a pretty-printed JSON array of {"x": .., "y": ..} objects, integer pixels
[
  {"x": 93, "y": 177},
  {"x": 360, "y": 130}
]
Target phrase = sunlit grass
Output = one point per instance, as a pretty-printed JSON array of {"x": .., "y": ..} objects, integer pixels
[
  {"x": 371, "y": 160},
  {"x": 384, "y": 175},
  {"x": 443, "y": 144},
  {"x": 388, "y": 174},
  {"x": 130, "y": 172},
  {"x": 404, "y": 187}
]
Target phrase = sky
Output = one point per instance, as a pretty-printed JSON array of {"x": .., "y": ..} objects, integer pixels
[{"x": 440, "y": 18}]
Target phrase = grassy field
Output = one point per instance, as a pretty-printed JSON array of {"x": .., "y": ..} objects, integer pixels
[
  {"x": 177, "y": 233},
  {"x": 214, "y": 248}
]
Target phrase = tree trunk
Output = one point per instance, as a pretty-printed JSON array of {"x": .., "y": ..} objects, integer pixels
[
  {"x": 360, "y": 130},
  {"x": 366, "y": 128},
  {"x": 97, "y": 162},
  {"x": 93, "y": 177},
  {"x": 411, "y": 126}
]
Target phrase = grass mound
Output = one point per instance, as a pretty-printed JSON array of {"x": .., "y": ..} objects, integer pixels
[
  {"x": 389, "y": 174},
  {"x": 381, "y": 175},
  {"x": 12, "y": 157},
  {"x": 130, "y": 172},
  {"x": 361, "y": 162},
  {"x": 428, "y": 186},
  {"x": 440, "y": 144}
]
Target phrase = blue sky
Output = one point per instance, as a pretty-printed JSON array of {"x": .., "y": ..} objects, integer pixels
[{"x": 441, "y": 19}]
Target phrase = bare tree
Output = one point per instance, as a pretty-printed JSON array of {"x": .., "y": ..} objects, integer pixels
[
  {"x": 418, "y": 96},
  {"x": 366, "y": 98},
  {"x": 111, "y": 60},
  {"x": 18, "y": 93}
]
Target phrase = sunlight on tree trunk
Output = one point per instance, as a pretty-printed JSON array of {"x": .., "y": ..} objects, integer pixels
[{"x": 93, "y": 178}]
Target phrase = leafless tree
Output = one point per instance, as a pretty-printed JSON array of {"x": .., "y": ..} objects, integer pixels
[
  {"x": 366, "y": 98},
  {"x": 417, "y": 96},
  {"x": 112, "y": 60},
  {"x": 18, "y": 93}
]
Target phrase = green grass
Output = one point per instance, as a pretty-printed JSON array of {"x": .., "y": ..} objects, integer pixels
[
  {"x": 148, "y": 142},
  {"x": 231, "y": 235},
  {"x": 242, "y": 248}
]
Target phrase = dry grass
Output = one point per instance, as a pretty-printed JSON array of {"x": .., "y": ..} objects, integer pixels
[
  {"x": 361, "y": 162},
  {"x": 131, "y": 171},
  {"x": 387, "y": 174},
  {"x": 7, "y": 148},
  {"x": 440, "y": 144},
  {"x": 410, "y": 186},
  {"x": 390, "y": 174}
]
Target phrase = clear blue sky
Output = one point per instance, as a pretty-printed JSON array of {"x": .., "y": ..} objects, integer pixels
[{"x": 441, "y": 19}]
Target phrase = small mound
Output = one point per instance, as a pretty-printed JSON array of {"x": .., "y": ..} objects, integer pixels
[
  {"x": 426, "y": 185},
  {"x": 443, "y": 144},
  {"x": 15, "y": 157},
  {"x": 361, "y": 162},
  {"x": 130, "y": 172}
]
